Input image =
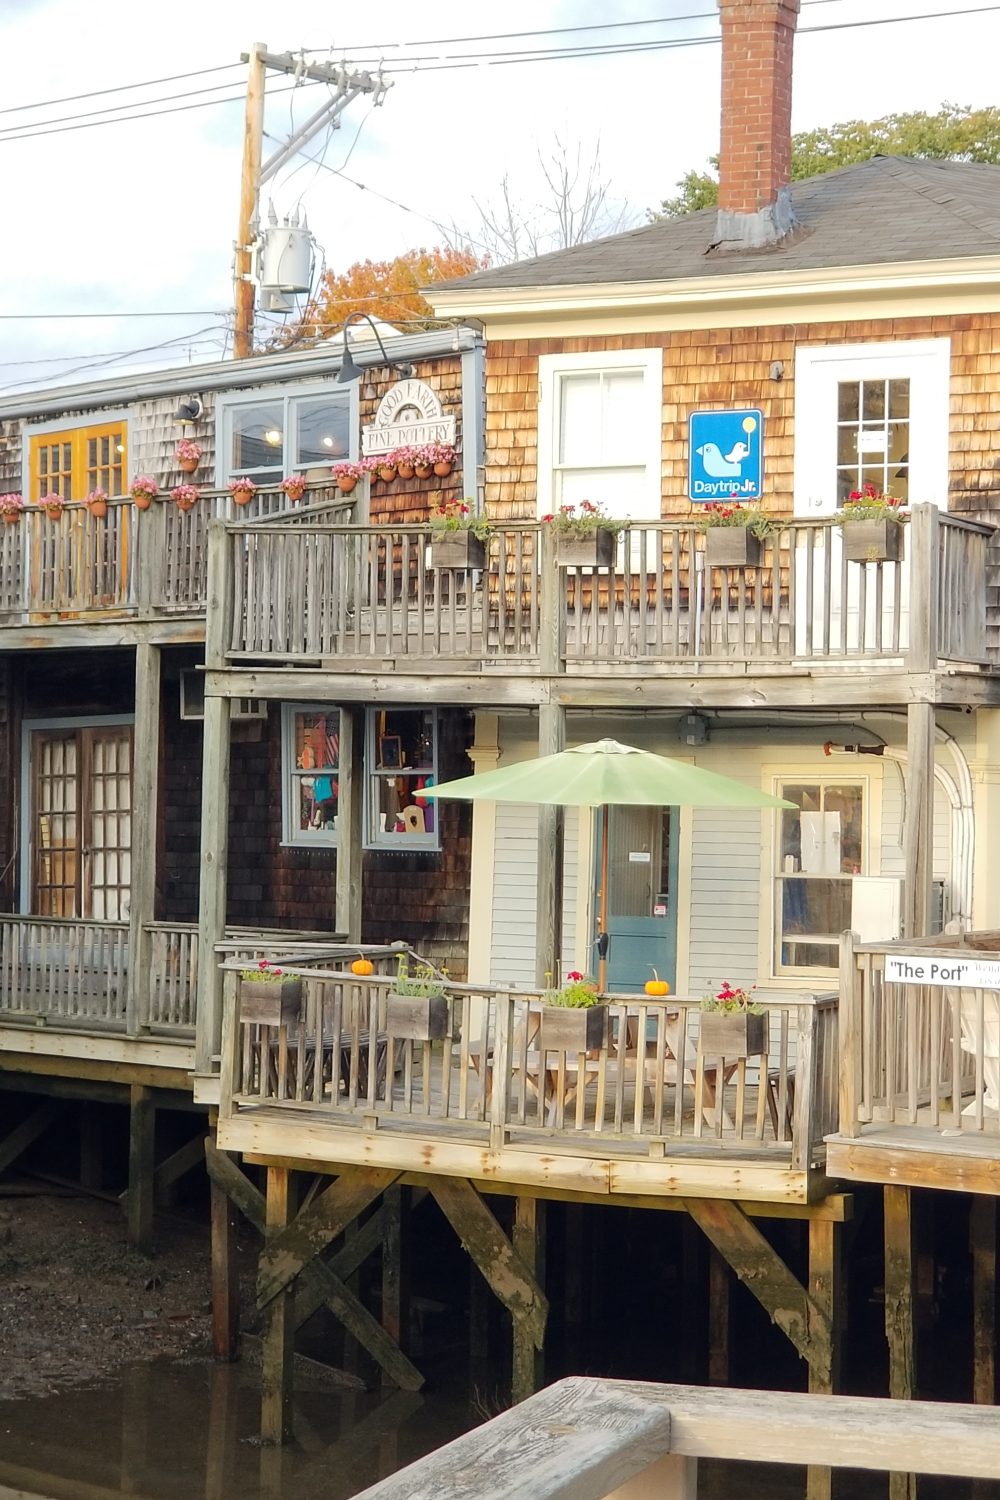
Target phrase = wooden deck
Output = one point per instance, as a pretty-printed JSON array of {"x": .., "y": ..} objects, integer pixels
[
  {"x": 646, "y": 1112},
  {"x": 362, "y": 597}
]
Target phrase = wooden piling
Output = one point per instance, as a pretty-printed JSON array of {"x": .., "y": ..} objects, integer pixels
[
  {"x": 719, "y": 1319},
  {"x": 395, "y": 1289},
  {"x": 277, "y": 1344},
  {"x": 225, "y": 1276},
  {"x": 825, "y": 1274},
  {"x": 529, "y": 1246},
  {"x": 899, "y": 1312},
  {"x": 141, "y": 1167},
  {"x": 983, "y": 1245}
]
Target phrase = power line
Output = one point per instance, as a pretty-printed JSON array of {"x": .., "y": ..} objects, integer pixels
[
  {"x": 191, "y": 338},
  {"x": 121, "y": 88},
  {"x": 111, "y": 109},
  {"x": 198, "y": 312}
]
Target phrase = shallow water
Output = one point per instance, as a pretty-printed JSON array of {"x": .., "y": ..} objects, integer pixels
[{"x": 185, "y": 1431}]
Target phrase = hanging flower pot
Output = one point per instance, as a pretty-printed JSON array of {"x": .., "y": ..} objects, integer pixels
[
  {"x": 404, "y": 470},
  {"x": 53, "y": 506},
  {"x": 873, "y": 541},
  {"x": 732, "y": 547},
  {"x": 11, "y": 517},
  {"x": 585, "y": 549},
  {"x": 423, "y": 471},
  {"x": 184, "y": 496},
  {"x": 293, "y": 488},
  {"x": 11, "y": 507},
  {"x": 143, "y": 491},
  {"x": 442, "y": 468},
  {"x": 346, "y": 475},
  {"x": 387, "y": 473},
  {"x": 188, "y": 455},
  {"x": 242, "y": 491},
  {"x": 346, "y": 484},
  {"x": 97, "y": 504}
]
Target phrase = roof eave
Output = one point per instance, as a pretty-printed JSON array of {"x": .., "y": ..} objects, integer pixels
[{"x": 762, "y": 288}]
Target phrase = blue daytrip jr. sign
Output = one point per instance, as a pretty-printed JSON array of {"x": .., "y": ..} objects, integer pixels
[{"x": 725, "y": 455}]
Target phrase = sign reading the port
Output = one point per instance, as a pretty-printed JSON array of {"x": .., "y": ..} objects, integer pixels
[
  {"x": 967, "y": 973},
  {"x": 725, "y": 455}
]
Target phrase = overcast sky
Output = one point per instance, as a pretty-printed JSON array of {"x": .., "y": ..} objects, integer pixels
[{"x": 139, "y": 217}]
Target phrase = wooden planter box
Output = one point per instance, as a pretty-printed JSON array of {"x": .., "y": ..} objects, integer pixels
[
  {"x": 417, "y": 1018},
  {"x": 574, "y": 1029},
  {"x": 736, "y": 1034},
  {"x": 269, "y": 1002},
  {"x": 457, "y": 549},
  {"x": 594, "y": 551},
  {"x": 732, "y": 547},
  {"x": 873, "y": 541}
]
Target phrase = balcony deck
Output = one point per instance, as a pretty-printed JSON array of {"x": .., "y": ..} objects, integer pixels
[
  {"x": 920, "y": 1074},
  {"x": 347, "y": 599},
  {"x": 494, "y": 1101}
]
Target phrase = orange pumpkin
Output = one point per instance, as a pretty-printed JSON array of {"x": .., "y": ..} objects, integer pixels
[
  {"x": 656, "y": 985},
  {"x": 362, "y": 966}
]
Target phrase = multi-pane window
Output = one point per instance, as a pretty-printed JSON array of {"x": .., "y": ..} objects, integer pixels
[
  {"x": 81, "y": 459},
  {"x": 81, "y": 822},
  {"x": 400, "y": 762},
  {"x": 600, "y": 426},
  {"x": 821, "y": 847},
  {"x": 311, "y": 760},
  {"x": 873, "y": 436},
  {"x": 282, "y": 434}
]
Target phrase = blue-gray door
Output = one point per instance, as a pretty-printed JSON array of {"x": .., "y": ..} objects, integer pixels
[{"x": 642, "y": 895}]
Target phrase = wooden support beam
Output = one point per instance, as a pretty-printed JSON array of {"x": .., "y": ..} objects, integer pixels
[
  {"x": 983, "y": 1246},
  {"x": 25, "y": 1134},
  {"x": 177, "y": 1165},
  {"x": 720, "y": 1307},
  {"x": 350, "y": 822},
  {"x": 317, "y": 1283},
  {"x": 395, "y": 1280},
  {"x": 225, "y": 1274},
  {"x": 145, "y": 790},
  {"x": 764, "y": 1273},
  {"x": 528, "y": 1242},
  {"x": 899, "y": 1312},
  {"x": 327, "y": 1216},
  {"x": 141, "y": 1164},
  {"x": 278, "y": 1341},
  {"x": 512, "y": 1281},
  {"x": 825, "y": 1274},
  {"x": 918, "y": 825}
]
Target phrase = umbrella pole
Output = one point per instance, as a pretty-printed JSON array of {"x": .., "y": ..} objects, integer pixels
[{"x": 602, "y": 927}]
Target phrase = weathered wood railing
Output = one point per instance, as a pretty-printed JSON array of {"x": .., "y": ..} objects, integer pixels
[
  {"x": 69, "y": 974},
  {"x": 493, "y": 1073},
  {"x": 920, "y": 1041},
  {"x": 371, "y": 593},
  {"x": 129, "y": 561},
  {"x": 585, "y": 1438}
]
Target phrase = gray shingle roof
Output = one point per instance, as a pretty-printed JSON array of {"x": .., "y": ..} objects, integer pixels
[{"x": 889, "y": 209}]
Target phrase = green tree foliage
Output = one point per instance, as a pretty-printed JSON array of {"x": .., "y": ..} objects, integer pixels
[{"x": 956, "y": 133}]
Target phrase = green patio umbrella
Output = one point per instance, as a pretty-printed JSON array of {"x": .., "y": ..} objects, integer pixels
[{"x": 604, "y": 774}]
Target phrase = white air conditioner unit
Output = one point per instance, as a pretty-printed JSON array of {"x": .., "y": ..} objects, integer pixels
[
  {"x": 877, "y": 907},
  {"x": 193, "y": 700}
]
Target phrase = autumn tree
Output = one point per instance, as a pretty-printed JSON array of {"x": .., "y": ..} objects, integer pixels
[
  {"x": 955, "y": 133},
  {"x": 388, "y": 290}
]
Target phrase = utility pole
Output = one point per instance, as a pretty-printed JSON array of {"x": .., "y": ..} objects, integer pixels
[
  {"x": 253, "y": 144},
  {"x": 345, "y": 87}
]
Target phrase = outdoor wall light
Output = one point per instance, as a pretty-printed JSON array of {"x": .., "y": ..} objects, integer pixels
[
  {"x": 350, "y": 371},
  {"x": 190, "y": 409},
  {"x": 693, "y": 730}
]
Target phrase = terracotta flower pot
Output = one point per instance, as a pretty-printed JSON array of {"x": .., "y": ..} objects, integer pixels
[
  {"x": 54, "y": 512},
  {"x": 442, "y": 469},
  {"x": 11, "y": 517},
  {"x": 346, "y": 484},
  {"x": 405, "y": 471},
  {"x": 188, "y": 465},
  {"x": 242, "y": 497},
  {"x": 423, "y": 471},
  {"x": 98, "y": 509},
  {"x": 185, "y": 504},
  {"x": 142, "y": 501},
  {"x": 387, "y": 473}
]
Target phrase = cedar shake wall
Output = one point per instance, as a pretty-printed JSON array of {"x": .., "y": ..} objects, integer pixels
[
  {"x": 729, "y": 367},
  {"x": 407, "y": 501}
]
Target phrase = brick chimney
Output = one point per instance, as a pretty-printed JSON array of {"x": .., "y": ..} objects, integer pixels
[{"x": 756, "y": 150}]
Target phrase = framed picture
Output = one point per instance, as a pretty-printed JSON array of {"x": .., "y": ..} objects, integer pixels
[{"x": 390, "y": 752}]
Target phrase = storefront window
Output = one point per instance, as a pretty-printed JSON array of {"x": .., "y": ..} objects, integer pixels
[
  {"x": 821, "y": 847},
  {"x": 311, "y": 759},
  {"x": 402, "y": 762}
]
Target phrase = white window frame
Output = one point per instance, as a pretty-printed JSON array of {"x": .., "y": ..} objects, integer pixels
[
  {"x": 230, "y": 402},
  {"x": 926, "y": 363},
  {"x": 871, "y": 854},
  {"x": 397, "y": 843},
  {"x": 293, "y": 837},
  {"x": 647, "y": 437}
]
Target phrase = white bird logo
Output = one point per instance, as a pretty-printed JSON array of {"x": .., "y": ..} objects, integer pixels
[{"x": 738, "y": 453}]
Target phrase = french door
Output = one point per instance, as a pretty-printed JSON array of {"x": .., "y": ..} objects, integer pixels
[{"x": 81, "y": 822}]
